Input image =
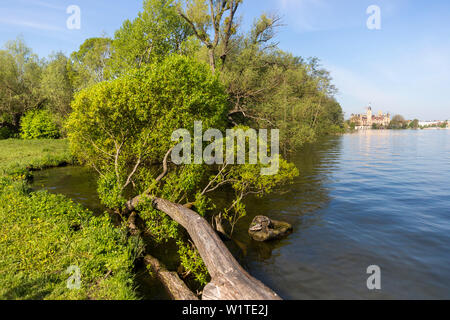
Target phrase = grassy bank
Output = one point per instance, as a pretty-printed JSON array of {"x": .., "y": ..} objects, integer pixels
[
  {"x": 42, "y": 235},
  {"x": 19, "y": 155}
]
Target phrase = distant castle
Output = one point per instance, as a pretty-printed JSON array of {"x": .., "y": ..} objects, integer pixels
[{"x": 366, "y": 121}]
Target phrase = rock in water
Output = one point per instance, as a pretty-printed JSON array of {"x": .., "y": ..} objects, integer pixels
[{"x": 264, "y": 229}]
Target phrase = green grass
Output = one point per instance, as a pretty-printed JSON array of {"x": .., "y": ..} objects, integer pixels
[
  {"x": 18, "y": 155},
  {"x": 42, "y": 235}
]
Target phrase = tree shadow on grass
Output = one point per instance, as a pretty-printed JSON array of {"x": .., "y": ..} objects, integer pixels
[{"x": 33, "y": 289}]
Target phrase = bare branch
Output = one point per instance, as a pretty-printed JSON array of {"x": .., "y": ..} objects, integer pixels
[
  {"x": 165, "y": 166},
  {"x": 228, "y": 31},
  {"x": 116, "y": 158},
  {"x": 246, "y": 115},
  {"x": 97, "y": 148},
  {"x": 129, "y": 180},
  {"x": 194, "y": 28},
  {"x": 215, "y": 178}
]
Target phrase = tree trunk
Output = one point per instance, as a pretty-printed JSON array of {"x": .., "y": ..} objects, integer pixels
[
  {"x": 220, "y": 229},
  {"x": 175, "y": 287},
  {"x": 229, "y": 280},
  {"x": 212, "y": 60}
]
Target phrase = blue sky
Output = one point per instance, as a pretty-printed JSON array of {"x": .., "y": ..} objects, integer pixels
[{"x": 402, "y": 68}]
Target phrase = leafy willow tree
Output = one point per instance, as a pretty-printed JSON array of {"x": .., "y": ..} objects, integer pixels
[
  {"x": 20, "y": 75},
  {"x": 123, "y": 129},
  {"x": 90, "y": 64},
  {"x": 28, "y": 84},
  {"x": 269, "y": 88},
  {"x": 155, "y": 33},
  {"x": 56, "y": 85},
  {"x": 213, "y": 23}
]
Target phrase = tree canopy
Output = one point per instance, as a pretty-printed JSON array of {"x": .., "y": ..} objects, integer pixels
[
  {"x": 122, "y": 127},
  {"x": 20, "y": 75},
  {"x": 398, "y": 122},
  {"x": 157, "y": 32}
]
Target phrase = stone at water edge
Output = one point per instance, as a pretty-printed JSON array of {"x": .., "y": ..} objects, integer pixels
[{"x": 264, "y": 229}]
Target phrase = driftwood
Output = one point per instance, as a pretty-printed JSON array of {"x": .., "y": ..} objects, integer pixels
[
  {"x": 220, "y": 229},
  {"x": 229, "y": 281},
  {"x": 175, "y": 287}
]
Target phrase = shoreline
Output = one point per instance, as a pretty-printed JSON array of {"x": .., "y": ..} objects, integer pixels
[{"x": 370, "y": 129}]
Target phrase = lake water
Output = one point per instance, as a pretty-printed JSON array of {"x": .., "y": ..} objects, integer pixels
[{"x": 370, "y": 198}]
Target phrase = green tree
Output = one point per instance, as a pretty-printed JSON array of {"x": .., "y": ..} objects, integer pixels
[
  {"x": 39, "y": 124},
  {"x": 269, "y": 88},
  {"x": 213, "y": 23},
  {"x": 155, "y": 33},
  {"x": 56, "y": 85},
  {"x": 397, "y": 122},
  {"x": 414, "y": 124},
  {"x": 352, "y": 126},
  {"x": 20, "y": 75},
  {"x": 133, "y": 117},
  {"x": 90, "y": 64}
]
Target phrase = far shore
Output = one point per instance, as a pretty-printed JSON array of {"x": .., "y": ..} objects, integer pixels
[{"x": 419, "y": 129}]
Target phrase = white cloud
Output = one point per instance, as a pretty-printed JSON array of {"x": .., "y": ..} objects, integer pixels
[
  {"x": 30, "y": 24},
  {"x": 44, "y": 4}
]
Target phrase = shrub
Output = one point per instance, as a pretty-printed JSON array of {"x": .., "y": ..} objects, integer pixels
[
  {"x": 39, "y": 125},
  {"x": 6, "y": 133},
  {"x": 134, "y": 117}
]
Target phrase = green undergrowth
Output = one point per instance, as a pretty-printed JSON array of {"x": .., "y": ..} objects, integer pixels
[{"x": 43, "y": 236}]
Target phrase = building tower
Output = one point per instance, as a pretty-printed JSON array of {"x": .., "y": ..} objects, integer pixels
[{"x": 369, "y": 115}]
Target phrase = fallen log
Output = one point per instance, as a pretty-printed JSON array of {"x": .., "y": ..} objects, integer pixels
[
  {"x": 229, "y": 281},
  {"x": 174, "y": 286}
]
